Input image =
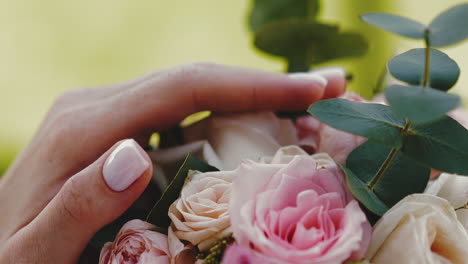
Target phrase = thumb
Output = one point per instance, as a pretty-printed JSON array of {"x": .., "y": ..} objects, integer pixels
[{"x": 89, "y": 200}]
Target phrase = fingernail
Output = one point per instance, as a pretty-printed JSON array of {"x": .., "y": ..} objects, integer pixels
[
  {"x": 330, "y": 72},
  {"x": 307, "y": 76},
  {"x": 336, "y": 80},
  {"x": 124, "y": 165}
]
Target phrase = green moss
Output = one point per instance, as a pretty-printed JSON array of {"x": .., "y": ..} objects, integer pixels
[{"x": 215, "y": 254}]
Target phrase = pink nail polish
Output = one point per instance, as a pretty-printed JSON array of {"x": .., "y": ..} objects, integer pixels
[{"x": 124, "y": 165}]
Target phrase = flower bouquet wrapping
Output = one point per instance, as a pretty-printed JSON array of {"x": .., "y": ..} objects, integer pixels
[{"x": 350, "y": 181}]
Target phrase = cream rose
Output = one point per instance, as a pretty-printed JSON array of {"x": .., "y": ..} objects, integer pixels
[
  {"x": 243, "y": 136},
  {"x": 200, "y": 216},
  {"x": 223, "y": 141},
  {"x": 454, "y": 189},
  {"x": 421, "y": 228}
]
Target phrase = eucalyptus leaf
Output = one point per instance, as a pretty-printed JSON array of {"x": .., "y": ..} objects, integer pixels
[
  {"x": 400, "y": 25},
  {"x": 363, "y": 194},
  {"x": 420, "y": 104},
  {"x": 341, "y": 45},
  {"x": 291, "y": 38},
  {"x": 450, "y": 27},
  {"x": 303, "y": 42},
  {"x": 375, "y": 121},
  {"x": 403, "y": 177},
  {"x": 441, "y": 145},
  {"x": 409, "y": 67},
  {"x": 266, "y": 11},
  {"x": 158, "y": 215}
]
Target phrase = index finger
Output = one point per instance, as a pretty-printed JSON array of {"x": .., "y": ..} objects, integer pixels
[{"x": 172, "y": 95}]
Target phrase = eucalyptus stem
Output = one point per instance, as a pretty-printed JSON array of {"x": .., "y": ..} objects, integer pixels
[
  {"x": 462, "y": 207},
  {"x": 383, "y": 168},
  {"x": 427, "y": 64},
  {"x": 386, "y": 164}
]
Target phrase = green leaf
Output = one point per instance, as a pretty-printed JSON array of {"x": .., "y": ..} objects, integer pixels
[
  {"x": 303, "y": 42},
  {"x": 420, "y": 104},
  {"x": 266, "y": 11},
  {"x": 450, "y": 27},
  {"x": 363, "y": 194},
  {"x": 403, "y": 177},
  {"x": 158, "y": 215},
  {"x": 374, "y": 121},
  {"x": 341, "y": 45},
  {"x": 441, "y": 145},
  {"x": 396, "y": 24},
  {"x": 290, "y": 38},
  {"x": 409, "y": 67}
]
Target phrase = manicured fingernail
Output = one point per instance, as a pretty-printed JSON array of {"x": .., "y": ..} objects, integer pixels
[
  {"x": 124, "y": 165},
  {"x": 307, "y": 76},
  {"x": 336, "y": 80},
  {"x": 330, "y": 72}
]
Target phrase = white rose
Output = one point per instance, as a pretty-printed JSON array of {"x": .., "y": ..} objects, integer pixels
[
  {"x": 244, "y": 136},
  {"x": 200, "y": 216},
  {"x": 454, "y": 189},
  {"x": 421, "y": 228}
]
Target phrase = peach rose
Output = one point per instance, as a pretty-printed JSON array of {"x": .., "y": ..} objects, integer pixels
[
  {"x": 136, "y": 243},
  {"x": 200, "y": 216}
]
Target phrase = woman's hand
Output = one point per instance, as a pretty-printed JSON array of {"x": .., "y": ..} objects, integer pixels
[{"x": 79, "y": 174}]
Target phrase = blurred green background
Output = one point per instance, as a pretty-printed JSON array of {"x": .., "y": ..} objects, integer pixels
[{"x": 50, "y": 46}]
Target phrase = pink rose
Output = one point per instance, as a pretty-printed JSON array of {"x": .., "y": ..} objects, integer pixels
[
  {"x": 237, "y": 254},
  {"x": 297, "y": 210},
  {"x": 136, "y": 243},
  {"x": 460, "y": 115},
  {"x": 315, "y": 136}
]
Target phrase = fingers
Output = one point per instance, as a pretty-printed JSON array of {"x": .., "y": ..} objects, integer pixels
[
  {"x": 336, "y": 81},
  {"x": 174, "y": 94},
  {"x": 89, "y": 200}
]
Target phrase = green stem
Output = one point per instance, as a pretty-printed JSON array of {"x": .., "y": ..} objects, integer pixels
[
  {"x": 386, "y": 164},
  {"x": 427, "y": 64},
  {"x": 383, "y": 168},
  {"x": 463, "y": 207}
]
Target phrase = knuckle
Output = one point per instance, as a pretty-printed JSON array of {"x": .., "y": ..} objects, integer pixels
[
  {"x": 73, "y": 202},
  {"x": 191, "y": 71},
  {"x": 61, "y": 125}
]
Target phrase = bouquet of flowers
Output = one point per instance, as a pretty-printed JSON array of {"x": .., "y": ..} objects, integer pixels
[{"x": 350, "y": 181}]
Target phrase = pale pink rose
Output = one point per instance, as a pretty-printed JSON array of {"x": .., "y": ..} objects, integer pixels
[
  {"x": 136, "y": 243},
  {"x": 200, "y": 216},
  {"x": 460, "y": 115},
  {"x": 297, "y": 210},
  {"x": 315, "y": 136}
]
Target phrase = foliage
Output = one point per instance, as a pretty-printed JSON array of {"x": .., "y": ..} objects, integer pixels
[
  {"x": 158, "y": 215},
  {"x": 292, "y": 29},
  {"x": 413, "y": 134}
]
